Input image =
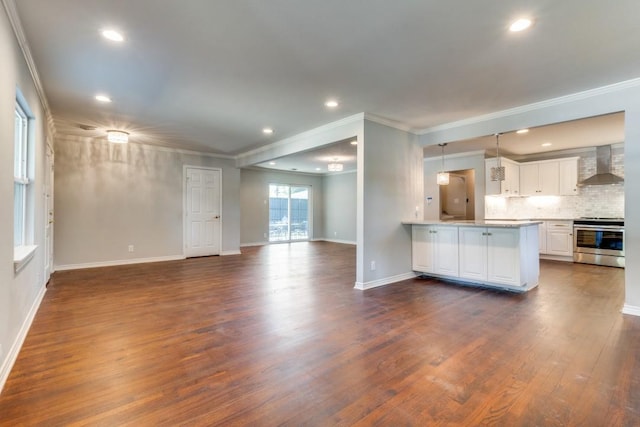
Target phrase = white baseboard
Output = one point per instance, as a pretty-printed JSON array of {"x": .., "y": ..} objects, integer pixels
[
  {"x": 12, "y": 356},
  {"x": 631, "y": 309},
  {"x": 118, "y": 262},
  {"x": 235, "y": 252},
  {"x": 244, "y": 245},
  {"x": 344, "y": 242},
  {"x": 386, "y": 281}
]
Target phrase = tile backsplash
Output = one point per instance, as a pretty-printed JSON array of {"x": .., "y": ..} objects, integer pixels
[{"x": 596, "y": 201}]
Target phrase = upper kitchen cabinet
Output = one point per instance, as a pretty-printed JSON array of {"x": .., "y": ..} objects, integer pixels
[
  {"x": 511, "y": 184},
  {"x": 568, "y": 171},
  {"x": 540, "y": 178}
]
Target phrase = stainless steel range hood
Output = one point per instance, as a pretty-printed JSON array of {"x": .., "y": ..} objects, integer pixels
[{"x": 603, "y": 174}]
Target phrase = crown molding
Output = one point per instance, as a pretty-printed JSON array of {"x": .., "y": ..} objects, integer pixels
[
  {"x": 16, "y": 24},
  {"x": 390, "y": 123},
  {"x": 627, "y": 84}
]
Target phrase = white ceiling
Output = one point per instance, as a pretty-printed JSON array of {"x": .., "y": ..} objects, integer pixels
[{"x": 209, "y": 75}]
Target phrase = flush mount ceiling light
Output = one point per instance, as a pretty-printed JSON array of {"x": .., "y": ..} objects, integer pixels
[
  {"x": 547, "y": 144},
  {"x": 521, "y": 131},
  {"x": 335, "y": 166},
  {"x": 117, "y": 136},
  {"x": 443, "y": 177},
  {"x": 112, "y": 35},
  {"x": 267, "y": 131},
  {"x": 102, "y": 98},
  {"x": 272, "y": 163},
  {"x": 331, "y": 103},
  {"x": 520, "y": 25}
]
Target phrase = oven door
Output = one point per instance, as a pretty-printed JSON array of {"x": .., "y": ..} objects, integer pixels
[{"x": 599, "y": 241}]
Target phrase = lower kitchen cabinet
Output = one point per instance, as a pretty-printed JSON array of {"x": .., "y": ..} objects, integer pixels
[
  {"x": 435, "y": 249},
  {"x": 559, "y": 238},
  {"x": 491, "y": 255},
  {"x": 503, "y": 257}
]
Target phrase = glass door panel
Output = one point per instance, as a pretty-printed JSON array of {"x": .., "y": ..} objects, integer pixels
[{"x": 288, "y": 212}]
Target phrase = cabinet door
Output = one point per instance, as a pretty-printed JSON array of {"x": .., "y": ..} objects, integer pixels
[
  {"x": 503, "y": 255},
  {"x": 568, "y": 170},
  {"x": 511, "y": 185},
  {"x": 422, "y": 252},
  {"x": 548, "y": 178},
  {"x": 542, "y": 238},
  {"x": 473, "y": 253},
  {"x": 492, "y": 188},
  {"x": 560, "y": 238},
  {"x": 446, "y": 254},
  {"x": 529, "y": 185}
]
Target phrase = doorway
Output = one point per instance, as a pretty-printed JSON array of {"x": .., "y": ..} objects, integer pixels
[
  {"x": 202, "y": 202},
  {"x": 457, "y": 200},
  {"x": 289, "y": 212}
]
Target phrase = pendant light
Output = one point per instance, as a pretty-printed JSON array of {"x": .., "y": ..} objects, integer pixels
[
  {"x": 497, "y": 172},
  {"x": 443, "y": 177},
  {"x": 335, "y": 166}
]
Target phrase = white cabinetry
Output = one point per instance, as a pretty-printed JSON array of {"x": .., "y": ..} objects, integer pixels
[
  {"x": 559, "y": 238},
  {"x": 491, "y": 255},
  {"x": 539, "y": 178},
  {"x": 542, "y": 237},
  {"x": 568, "y": 176},
  {"x": 435, "y": 249},
  {"x": 511, "y": 184}
]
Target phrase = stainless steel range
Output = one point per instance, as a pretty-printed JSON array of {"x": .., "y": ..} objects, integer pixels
[{"x": 599, "y": 241}]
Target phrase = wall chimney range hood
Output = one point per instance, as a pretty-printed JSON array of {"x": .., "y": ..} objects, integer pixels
[{"x": 603, "y": 174}]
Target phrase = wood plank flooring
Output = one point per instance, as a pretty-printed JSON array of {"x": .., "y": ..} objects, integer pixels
[{"x": 278, "y": 336}]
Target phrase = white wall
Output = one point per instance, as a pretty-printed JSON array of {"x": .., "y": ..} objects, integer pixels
[
  {"x": 21, "y": 293},
  {"x": 390, "y": 174},
  {"x": 254, "y": 202},
  {"x": 340, "y": 207},
  {"x": 109, "y": 196}
]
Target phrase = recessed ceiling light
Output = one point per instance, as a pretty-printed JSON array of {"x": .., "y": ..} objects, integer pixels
[
  {"x": 331, "y": 103},
  {"x": 117, "y": 136},
  {"x": 318, "y": 169},
  {"x": 113, "y": 35},
  {"x": 520, "y": 25},
  {"x": 103, "y": 98},
  {"x": 521, "y": 131},
  {"x": 547, "y": 144},
  {"x": 354, "y": 142},
  {"x": 267, "y": 131},
  {"x": 272, "y": 163}
]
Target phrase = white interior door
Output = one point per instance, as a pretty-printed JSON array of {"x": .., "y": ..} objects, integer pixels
[
  {"x": 48, "y": 211},
  {"x": 202, "y": 219}
]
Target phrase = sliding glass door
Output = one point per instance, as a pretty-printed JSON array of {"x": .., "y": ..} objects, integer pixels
[{"x": 288, "y": 212}]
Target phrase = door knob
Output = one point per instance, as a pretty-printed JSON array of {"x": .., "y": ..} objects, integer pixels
[{"x": 216, "y": 217}]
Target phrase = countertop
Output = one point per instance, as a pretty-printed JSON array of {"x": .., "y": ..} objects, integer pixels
[{"x": 476, "y": 223}]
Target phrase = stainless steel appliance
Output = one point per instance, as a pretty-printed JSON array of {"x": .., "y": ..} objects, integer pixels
[{"x": 599, "y": 241}]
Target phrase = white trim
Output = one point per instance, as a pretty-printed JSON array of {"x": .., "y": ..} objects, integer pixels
[
  {"x": 390, "y": 123},
  {"x": 22, "y": 255},
  {"x": 12, "y": 356},
  {"x": 385, "y": 281},
  {"x": 235, "y": 252},
  {"x": 244, "y": 245},
  {"x": 631, "y": 309},
  {"x": 344, "y": 242},
  {"x": 535, "y": 106},
  {"x": 438, "y": 157},
  {"x": 12, "y": 14},
  {"x": 118, "y": 262},
  {"x": 304, "y": 135}
]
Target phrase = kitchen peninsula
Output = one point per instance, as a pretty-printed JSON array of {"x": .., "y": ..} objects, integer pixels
[{"x": 497, "y": 254}]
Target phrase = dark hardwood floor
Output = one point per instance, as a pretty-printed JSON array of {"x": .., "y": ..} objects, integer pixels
[{"x": 278, "y": 336}]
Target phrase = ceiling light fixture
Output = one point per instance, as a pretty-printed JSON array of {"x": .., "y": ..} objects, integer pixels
[
  {"x": 102, "y": 98},
  {"x": 521, "y": 131},
  {"x": 272, "y": 163},
  {"x": 267, "y": 131},
  {"x": 331, "y": 103},
  {"x": 443, "y": 177},
  {"x": 547, "y": 144},
  {"x": 520, "y": 25},
  {"x": 117, "y": 136},
  {"x": 498, "y": 171},
  {"x": 354, "y": 142},
  {"x": 335, "y": 166},
  {"x": 113, "y": 35}
]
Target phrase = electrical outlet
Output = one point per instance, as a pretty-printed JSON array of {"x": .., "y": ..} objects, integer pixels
[
  {"x": 373, "y": 265},
  {"x": 130, "y": 248}
]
